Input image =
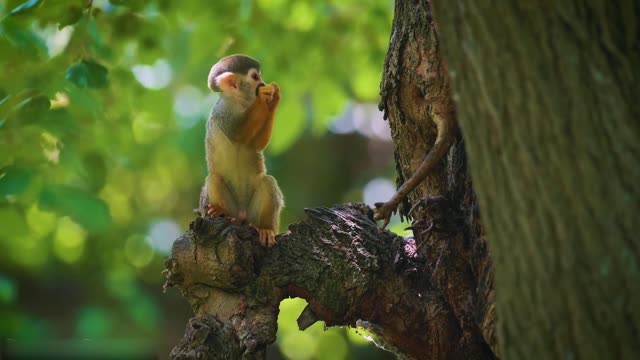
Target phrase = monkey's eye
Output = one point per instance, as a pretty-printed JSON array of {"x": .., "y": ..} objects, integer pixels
[{"x": 255, "y": 76}]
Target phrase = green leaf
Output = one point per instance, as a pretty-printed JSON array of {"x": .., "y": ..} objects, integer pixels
[
  {"x": 25, "y": 7},
  {"x": 70, "y": 16},
  {"x": 88, "y": 73},
  {"x": 59, "y": 122},
  {"x": 96, "y": 170},
  {"x": 33, "y": 109},
  {"x": 83, "y": 208},
  {"x": 133, "y": 4},
  {"x": 14, "y": 181},
  {"x": 22, "y": 38},
  {"x": 81, "y": 101}
]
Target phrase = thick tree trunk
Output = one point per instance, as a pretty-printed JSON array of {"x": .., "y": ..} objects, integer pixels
[
  {"x": 547, "y": 97},
  {"x": 414, "y": 89}
]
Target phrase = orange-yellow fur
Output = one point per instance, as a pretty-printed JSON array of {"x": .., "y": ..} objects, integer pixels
[{"x": 237, "y": 184}]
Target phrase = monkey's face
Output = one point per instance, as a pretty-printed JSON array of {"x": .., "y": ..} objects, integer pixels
[
  {"x": 254, "y": 80},
  {"x": 241, "y": 87}
]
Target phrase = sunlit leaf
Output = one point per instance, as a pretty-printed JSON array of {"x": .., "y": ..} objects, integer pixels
[
  {"x": 88, "y": 73},
  {"x": 83, "y": 208}
]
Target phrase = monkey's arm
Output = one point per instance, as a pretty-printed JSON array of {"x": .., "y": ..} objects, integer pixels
[
  {"x": 444, "y": 124},
  {"x": 272, "y": 99},
  {"x": 256, "y": 129}
]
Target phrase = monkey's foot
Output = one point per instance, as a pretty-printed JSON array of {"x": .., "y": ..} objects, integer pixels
[
  {"x": 267, "y": 237},
  {"x": 383, "y": 211},
  {"x": 214, "y": 211}
]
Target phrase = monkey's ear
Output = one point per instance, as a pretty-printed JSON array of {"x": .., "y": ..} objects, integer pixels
[{"x": 223, "y": 82}]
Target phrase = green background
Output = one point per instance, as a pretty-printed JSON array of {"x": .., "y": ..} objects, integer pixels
[{"x": 102, "y": 113}]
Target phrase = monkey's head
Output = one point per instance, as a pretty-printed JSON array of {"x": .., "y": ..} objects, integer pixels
[{"x": 237, "y": 76}]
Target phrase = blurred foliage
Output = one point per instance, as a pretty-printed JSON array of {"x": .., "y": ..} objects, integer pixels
[{"x": 102, "y": 112}]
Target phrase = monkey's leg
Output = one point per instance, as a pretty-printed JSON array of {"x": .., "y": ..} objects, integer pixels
[
  {"x": 264, "y": 211},
  {"x": 221, "y": 199},
  {"x": 383, "y": 211}
]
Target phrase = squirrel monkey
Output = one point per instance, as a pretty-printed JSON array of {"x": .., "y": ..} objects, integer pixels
[{"x": 238, "y": 130}]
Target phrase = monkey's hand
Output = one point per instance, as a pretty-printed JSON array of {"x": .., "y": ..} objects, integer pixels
[
  {"x": 270, "y": 94},
  {"x": 267, "y": 237}
]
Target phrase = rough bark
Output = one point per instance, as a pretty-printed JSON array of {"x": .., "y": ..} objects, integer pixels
[
  {"x": 415, "y": 88},
  {"x": 547, "y": 97},
  {"x": 337, "y": 259},
  {"x": 429, "y": 297}
]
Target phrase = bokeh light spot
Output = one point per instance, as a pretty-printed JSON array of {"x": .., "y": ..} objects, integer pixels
[
  {"x": 93, "y": 322},
  {"x": 119, "y": 204},
  {"x": 121, "y": 282},
  {"x": 156, "y": 76},
  {"x": 7, "y": 290},
  {"x": 138, "y": 251},
  {"x": 302, "y": 17},
  {"x": 162, "y": 233},
  {"x": 189, "y": 104},
  {"x": 147, "y": 128},
  {"x": 378, "y": 190},
  {"x": 144, "y": 311},
  {"x": 40, "y": 222},
  {"x": 69, "y": 240}
]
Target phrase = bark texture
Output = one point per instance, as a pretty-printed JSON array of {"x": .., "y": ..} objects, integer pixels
[
  {"x": 415, "y": 88},
  {"x": 337, "y": 260},
  {"x": 547, "y": 97}
]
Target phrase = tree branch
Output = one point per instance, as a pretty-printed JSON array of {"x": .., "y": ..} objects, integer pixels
[{"x": 336, "y": 259}]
